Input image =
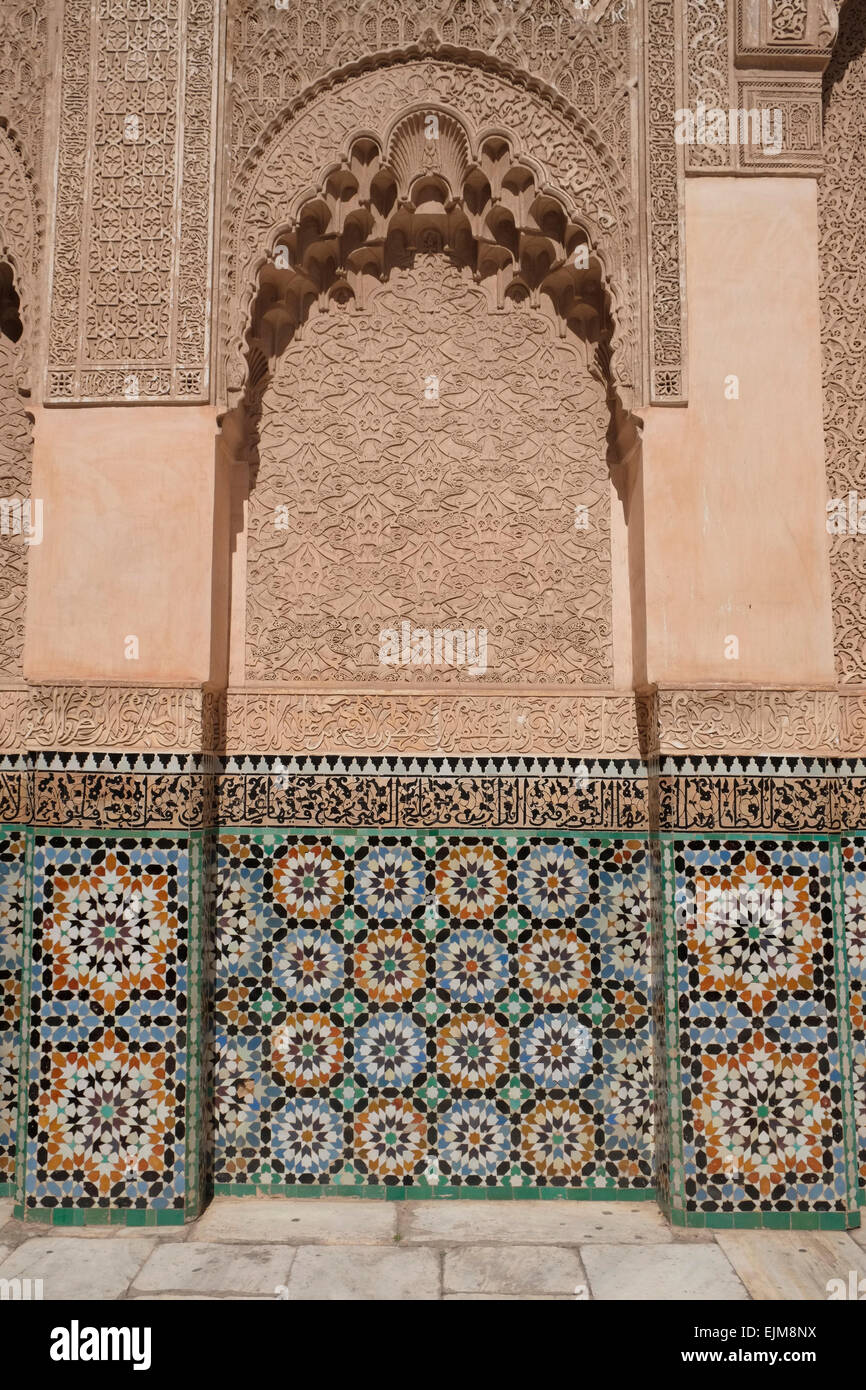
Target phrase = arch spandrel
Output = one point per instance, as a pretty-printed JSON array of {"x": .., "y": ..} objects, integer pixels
[{"x": 290, "y": 161}]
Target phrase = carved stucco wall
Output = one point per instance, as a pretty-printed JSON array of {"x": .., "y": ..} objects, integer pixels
[
  {"x": 456, "y": 511},
  {"x": 23, "y": 82},
  {"x": 23, "y": 66},
  {"x": 583, "y": 63},
  {"x": 16, "y": 450},
  {"x": 754, "y": 53},
  {"x": 297, "y": 155},
  {"x": 842, "y": 211},
  {"x": 130, "y": 309}
]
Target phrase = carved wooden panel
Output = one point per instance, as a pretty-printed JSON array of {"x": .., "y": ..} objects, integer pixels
[
  {"x": 842, "y": 210},
  {"x": 129, "y": 315},
  {"x": 453, "y": 510}
]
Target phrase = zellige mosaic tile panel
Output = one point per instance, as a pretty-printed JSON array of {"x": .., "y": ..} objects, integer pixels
[
  {"x": 11, "y": 923},
  {"x": 106, "y": 1121},
  {"x": 417, "y": 1009},
  {"x": 761, "y": 1083},
  {"x": 854, "y": 889}
]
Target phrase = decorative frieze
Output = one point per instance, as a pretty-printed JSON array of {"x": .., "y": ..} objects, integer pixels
[
  {"x": 798, "y": 722},
  {"x": 113, "y": 717},
  {"x": 279, "y": 721},
  {"x": 256, "y": 720}
]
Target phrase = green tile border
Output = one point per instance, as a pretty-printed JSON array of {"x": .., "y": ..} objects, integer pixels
[
  {"x": 763, "y": 1220},
  {"x": 426, "y": 1192},
  {"x": 341, "y": 833},
  {"x": 102, "y": 1216}
]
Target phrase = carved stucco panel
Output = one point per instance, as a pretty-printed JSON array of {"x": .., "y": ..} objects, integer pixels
[
  {"x": 587, "y": 55},
  {"x": 376, "y": 504},
  {"x": 130, "y": 312},
  {"x": 569, "y": 154},
  {"x": 259, "y": 721},
  {"x": 842, "y": 213},
  {"x": 23, "y": 85},
  {"x": 16, "y": 450},
  {"x": 582, "y": 52},
  {"x": 19, "y": 250},
  {"x": 708, "y": 73}
]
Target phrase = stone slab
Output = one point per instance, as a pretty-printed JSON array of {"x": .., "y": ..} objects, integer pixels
[
  {"x": 532, "y": 1223},
  {"x": 297, "y": 1221},
  {"x": 776, "y": 1265},
  {"x": 858, "y": 1235},
  {"x": 78, "y": 1269},
  {"x": 197, "y": 1267},
  {"x": 199, "y": 1298},
  {"x": 506, "y": 1298},
  {"x": 35, "y": 1230},
  {"x": 6, "y": 1208},
  {"x": 359, "y": 1273},
  {"x": 682, "y": 1272},
  {"x": 513, "y": 1269}
]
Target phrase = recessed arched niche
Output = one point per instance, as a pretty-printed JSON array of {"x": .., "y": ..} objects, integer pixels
[{"x": 430, "y": 416}]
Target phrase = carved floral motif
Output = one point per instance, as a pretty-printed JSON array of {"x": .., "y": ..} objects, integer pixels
[
  {"x": 455, "y": 510},
  {"x": 789, "y": 18}
]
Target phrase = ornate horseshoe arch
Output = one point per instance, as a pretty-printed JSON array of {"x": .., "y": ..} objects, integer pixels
[
  {"x": 427, "y": 203},
  {"x": 311, "y": 141}
]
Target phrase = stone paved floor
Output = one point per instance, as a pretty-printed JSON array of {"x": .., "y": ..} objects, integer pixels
[{"x": 266, "y": 1248}]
